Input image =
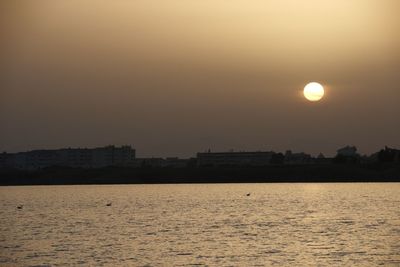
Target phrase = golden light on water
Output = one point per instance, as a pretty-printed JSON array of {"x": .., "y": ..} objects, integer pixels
[{"x": 314, "y": 91}]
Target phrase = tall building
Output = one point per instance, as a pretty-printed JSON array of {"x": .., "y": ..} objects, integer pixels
[{"x": 70, "y": 157}]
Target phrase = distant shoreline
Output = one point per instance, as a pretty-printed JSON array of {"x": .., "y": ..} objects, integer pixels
[{"x": 329, "y": 173}]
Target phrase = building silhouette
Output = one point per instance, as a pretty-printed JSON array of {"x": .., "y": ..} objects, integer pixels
[
  {"x": 70, "y": 157},
  {"x": 125, "y": 156},
  {"x": 234, "y": 158}
]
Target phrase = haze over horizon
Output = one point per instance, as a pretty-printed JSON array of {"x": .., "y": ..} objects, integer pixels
[{"x": 173, "y": 78}]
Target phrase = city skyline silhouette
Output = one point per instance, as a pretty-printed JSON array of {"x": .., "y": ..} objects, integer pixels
[{"x": 184, "y": 76}]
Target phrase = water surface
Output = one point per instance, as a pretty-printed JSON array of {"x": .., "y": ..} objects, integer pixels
[{"x": 202, "y": 225}]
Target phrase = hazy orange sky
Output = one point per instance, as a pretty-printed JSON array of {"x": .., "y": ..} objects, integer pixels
[{"x": 178, "y": 77}]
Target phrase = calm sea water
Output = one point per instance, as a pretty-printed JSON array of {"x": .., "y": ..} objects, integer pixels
[{"x": 202, "y": 225}]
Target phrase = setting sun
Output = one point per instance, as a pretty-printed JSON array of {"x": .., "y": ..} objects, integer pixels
[{"x": 314, "y": 91}]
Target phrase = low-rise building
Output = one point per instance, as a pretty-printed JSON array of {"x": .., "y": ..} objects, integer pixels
[
  {"x": 347, "y": 151},
  {"x": 234, "y": 158},
  {"x": 148, "y": 162},
  {"x": 175, "y": 162},
  {"x": 297, "y": 158}
]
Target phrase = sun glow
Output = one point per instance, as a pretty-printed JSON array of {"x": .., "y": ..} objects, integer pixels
[{"x": 314, "y": 91}]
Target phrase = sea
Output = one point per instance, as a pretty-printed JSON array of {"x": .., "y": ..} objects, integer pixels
[{"x": 302, "y": 224}]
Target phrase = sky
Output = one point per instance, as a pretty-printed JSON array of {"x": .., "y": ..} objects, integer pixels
[{"x": 174, "y": 77}]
